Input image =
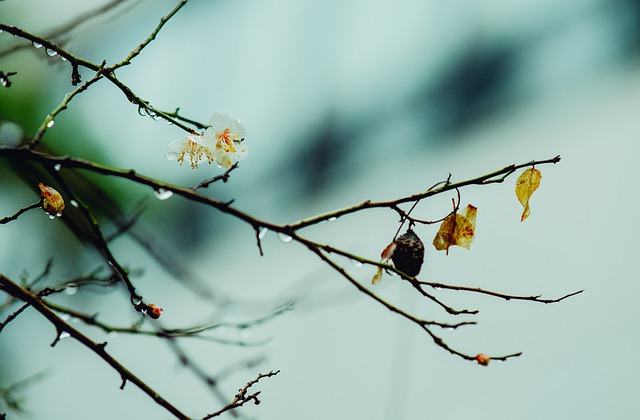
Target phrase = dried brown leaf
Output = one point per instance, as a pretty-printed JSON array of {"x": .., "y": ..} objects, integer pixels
[
  {"x": 457, "y": 229},
  {"x": 377, "y": 278},
  {"x": 527, "y": 183}
]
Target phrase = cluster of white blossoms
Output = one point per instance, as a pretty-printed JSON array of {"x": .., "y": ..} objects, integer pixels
[{"x": 222, "y": 142}]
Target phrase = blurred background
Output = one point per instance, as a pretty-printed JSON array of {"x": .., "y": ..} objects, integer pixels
[{"x": 343, "y": 101}]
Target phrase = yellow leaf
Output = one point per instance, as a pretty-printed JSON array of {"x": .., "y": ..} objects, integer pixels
[
  {"x": 457, "y": 229},
  {"x": 527, "y": 183},
  {"x": 377, "y": 277}
]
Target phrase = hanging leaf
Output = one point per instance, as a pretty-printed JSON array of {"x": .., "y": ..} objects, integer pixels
[
  {"x": 457, "y": 229},
  {"x": 377, "y": 278},
  {"x": 527, "y": 183}
]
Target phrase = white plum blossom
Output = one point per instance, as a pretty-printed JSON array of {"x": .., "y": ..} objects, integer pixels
[
  {"x": 225, "y": 139},
  {"x": 222, "y": 142},
  {"x": 191, "y": 145}
]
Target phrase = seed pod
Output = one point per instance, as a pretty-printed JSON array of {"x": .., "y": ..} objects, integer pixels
[{"x": 409, "y": 253}]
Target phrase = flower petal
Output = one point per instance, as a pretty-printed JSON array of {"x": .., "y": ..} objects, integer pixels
[{"x": 220, "y": 121}]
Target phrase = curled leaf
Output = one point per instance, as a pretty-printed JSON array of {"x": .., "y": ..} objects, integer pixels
[
  {"x": 527, "y": 183},
  {"x": 377, "y": 278},
  {"x": 52, "y": 201},
  {"x": 388, "y": 251},
  {"x": 457, "y": 229}
]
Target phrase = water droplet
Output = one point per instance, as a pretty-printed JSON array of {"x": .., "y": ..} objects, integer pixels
[
  {"x": 37, "y": 45},
  {"x": 142, "y": 111},
  {"x": 63, "y": 58},
  {"x": 332, "y": 219},
  {"x": 59, "y": 214},
  {"x": 63, "y": 335},
  {"x": 112, "y": 334},
  {"x": 57, "y": 167},
  {"x": 50, "y": 123},
  {"x": 4, "y": 82},
  {"x": 392, "y": 273},
  {"x": 65, "y": 317},
  {"x": 162, "y": 194},
  {"x": 74, "y": 203},
  {"x": 51, "y": 216},
  {"x": 356, "y": 263},
  {"x": 262, "y": 233},
  {"x": 169, "y": 122},
  {"x": 71, "y": 290},
  {"x": 50, "y": 52},
  {"x": 284, "y": 238}
]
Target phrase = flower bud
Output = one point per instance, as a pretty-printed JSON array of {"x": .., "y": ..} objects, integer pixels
[
  {"x": 483, "y": 359},
  {"x": 52, "y": 201},
  {"x": 154, "y": 311}
]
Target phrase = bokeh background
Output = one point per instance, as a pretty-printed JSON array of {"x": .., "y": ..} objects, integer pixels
[{"x": 343, "y": 101}]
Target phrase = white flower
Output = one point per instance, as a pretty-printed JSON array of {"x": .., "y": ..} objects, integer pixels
[
  {"x": 225, "y": 140},
  {"x": 191, "y": 145}
]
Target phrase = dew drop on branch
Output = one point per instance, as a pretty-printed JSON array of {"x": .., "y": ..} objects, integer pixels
[
  {"x": 71, "y": 290},
  {"x": 57, "y": 167},
  {"x": 63, "y": 335},
  {"x": 37, "y": 45},
  {"x": 356, "y": 263},
  {"x": 332, "y": 219},
  {"x": 50, "y": 52},
  {"x": 50, "y": 123},
  {"x": 74, "y": 203},
  {"x": 162, "y": 194},
  {"x": 284, "y": 237},
  {"x": 262, "y": 233}
]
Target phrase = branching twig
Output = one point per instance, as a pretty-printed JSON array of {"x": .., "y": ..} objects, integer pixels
[
  {"x": 243, "y": 396},
  {"x": 64, "y": 329},
  {"x": 535, "y": 298},
  {"x": 49, "y": 120},
  {"x": 439, "y": 188}
]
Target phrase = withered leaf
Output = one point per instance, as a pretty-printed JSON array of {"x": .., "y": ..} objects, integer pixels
[
  {"x": 457, "y": 229},
  {"x": 527, "y": 183},
  {"x": 377, "y": 277}
]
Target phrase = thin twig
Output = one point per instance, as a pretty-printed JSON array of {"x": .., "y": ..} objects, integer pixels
[
  {"x": 65, "y": 329},
  {"x": 243, "y": 396},
  {"x": 22, "y": 210}
]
